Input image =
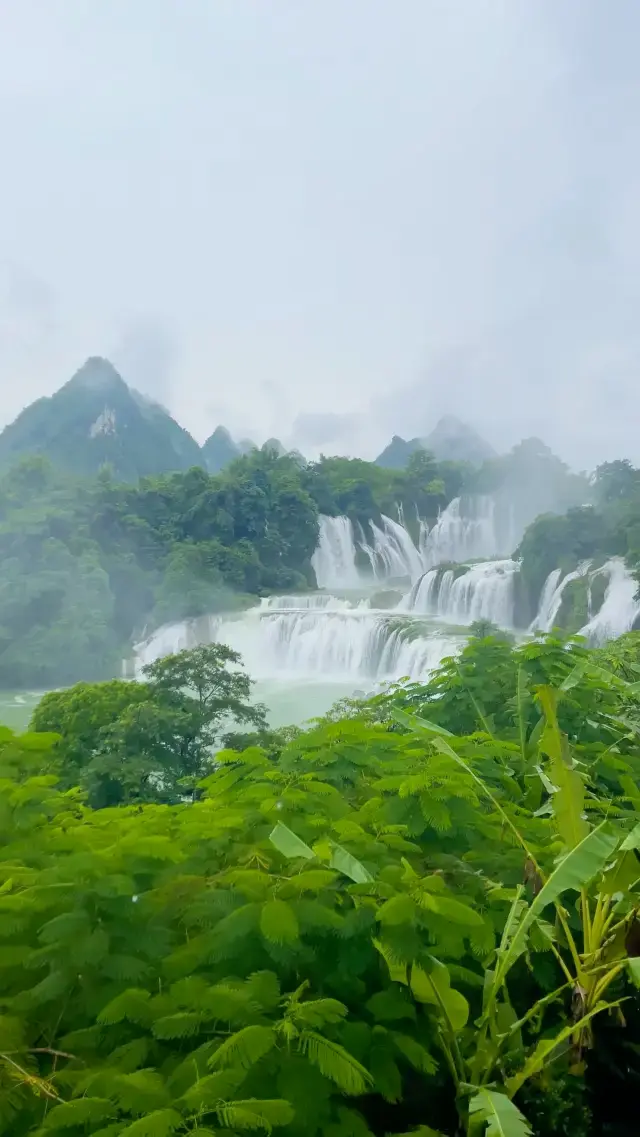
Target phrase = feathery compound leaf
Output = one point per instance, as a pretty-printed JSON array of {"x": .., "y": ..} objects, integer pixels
[
  {"x": 398, "y": 910},
  {"x": 132, "y": 1005},
  {"x": 213, "y": 1088},
  {"x": 244, "y": 1048},
  {"x": 79, "y": 1112},
  {"x": 502, "y": 1117},
  {"x": 269, "y": 1112},
  {"x": 335, "y": 1063},
  {"x": 157, "y": 1124},
  {"x": 278, "y": 922},
  {"x": 317, "y": 1012},
  {"x": 181, "y": 1025},
  {"x": 287, "y": 843},
  {"x": 263, "y": 988},
  {"x": 314, "y": 880}
]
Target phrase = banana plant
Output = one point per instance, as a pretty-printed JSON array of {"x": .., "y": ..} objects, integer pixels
[{"x": 586, "y": 909}]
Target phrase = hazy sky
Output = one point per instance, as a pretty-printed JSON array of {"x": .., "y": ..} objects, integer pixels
[{"x": 281, "y": 214}]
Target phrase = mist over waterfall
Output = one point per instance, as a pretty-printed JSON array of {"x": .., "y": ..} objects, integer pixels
[
  {"x": 482, "y": 591},
  {"x": 469, "y": 530},
  {"x": 334, "y": 561}
]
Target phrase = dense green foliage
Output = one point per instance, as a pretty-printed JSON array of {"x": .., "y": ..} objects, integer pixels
[
  {"x": 86, "y": 565},
  {"x": 395, "y": 922},
  {"x": 363, "y": 490}
]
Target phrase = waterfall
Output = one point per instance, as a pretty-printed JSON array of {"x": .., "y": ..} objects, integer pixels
[
  {"x": 392, "y": 553},
  {"x": 619, "y": 608},
  {"x": 307, "y": 601},
  {"x": 483, "y": 591},
  {"x": 335, "y": 641},
  {"x": 334, "y": 561},
  {"x": 551, "y": 597},
  {"x": 467, "y": 531}
]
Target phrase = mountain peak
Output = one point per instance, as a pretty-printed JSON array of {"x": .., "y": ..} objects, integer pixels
[
  {"x": 96, "y": 419},
  {"x": 97, "y": 374}
]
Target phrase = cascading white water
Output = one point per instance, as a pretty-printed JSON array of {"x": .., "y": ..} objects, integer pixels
[
  {"x": 619, "y": 609},
  {"x": 551, "y": 597},
  {"x": 392, "y": 553},
  {"x": 348, "y": 643},
  {"x": 466, "y": 531},
  {"x": 334, "y": 561},
  {"x": 312, "y": 601},
  {"x": 484, "y": 591}
]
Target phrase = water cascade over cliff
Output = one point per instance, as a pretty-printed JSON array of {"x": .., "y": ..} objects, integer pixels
[
  {"x": 620, "y": 608},
  {"x": 338, "y": 637},
  {"x": 469, "y": 530},
  {"x": 288, "y": 639},
  {"x": 552, "y": 595},
  {"x": 483, "y": 591}
]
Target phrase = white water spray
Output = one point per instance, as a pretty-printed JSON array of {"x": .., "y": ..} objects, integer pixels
[
  {"x": 619, "y": 609},
  {"x": 551, "y": 597},
  {"x": 467, "y": 531},
  {"x": 483, "y": 591}
]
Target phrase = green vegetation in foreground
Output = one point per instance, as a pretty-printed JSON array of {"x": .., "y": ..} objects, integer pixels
[{"x": 420, "y": 915}]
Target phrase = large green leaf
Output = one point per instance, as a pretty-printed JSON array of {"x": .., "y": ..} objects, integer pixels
[
  {"x": 545, "y": 1048},
  {"x": 574, "y": 871},
  {"x": 434, "y": 988},
  {"x": 335, "y": 1063},
  {"x": 290, "y": 845},
  {"x": 567, "y": 801},
  {"x": 244, "y": 1048},
  {"x": 420, "y": 725},
  {"x": 349, "y": 866},
  {"x": 502, "y": 1117}
]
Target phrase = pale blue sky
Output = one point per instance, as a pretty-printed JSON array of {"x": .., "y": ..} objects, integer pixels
[{"x": 270, "y": 213}]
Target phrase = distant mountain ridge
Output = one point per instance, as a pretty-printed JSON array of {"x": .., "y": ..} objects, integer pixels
[
  {"x": 450, "y": 441},
  {"x": 96, "y": 419}
]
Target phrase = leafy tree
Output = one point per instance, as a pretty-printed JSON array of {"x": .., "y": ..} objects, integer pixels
[{"x": 151, "y": 740}]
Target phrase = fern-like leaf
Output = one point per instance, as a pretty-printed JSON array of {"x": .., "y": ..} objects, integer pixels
[
  {"x": 244, "y": 1048},
  {"x": 335, "y": 1063},
  {"x": 160, "y": 1123}
]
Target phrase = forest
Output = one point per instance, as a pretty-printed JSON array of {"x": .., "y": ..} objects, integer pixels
[{"x": 416, "y": 915}]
